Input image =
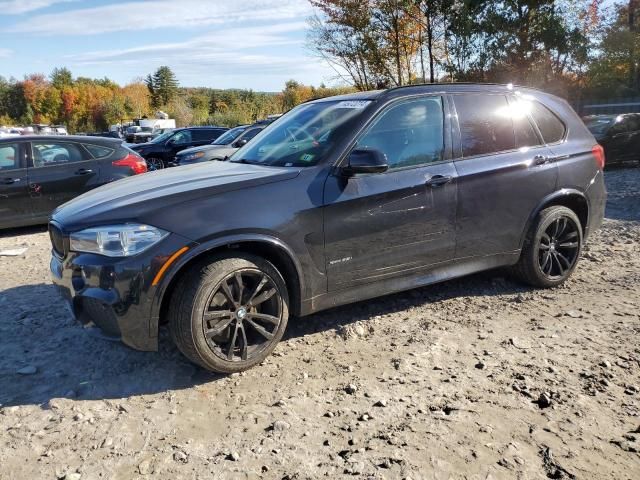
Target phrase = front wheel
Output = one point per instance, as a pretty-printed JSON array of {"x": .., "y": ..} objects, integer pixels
[
  {"x": 154, "y": 163},
  {"x": 228, "y": 313},
  {"x": 552, "y": 248}
]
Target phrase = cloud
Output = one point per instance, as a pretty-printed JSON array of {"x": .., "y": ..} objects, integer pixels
[
  {"x": 16, "y": 7},
  {"x": 5, "y": 53},
  {"x": 243, "y": 56},
  {"x": 156, "y": 14}
]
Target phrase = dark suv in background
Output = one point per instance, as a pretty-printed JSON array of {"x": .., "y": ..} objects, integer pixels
[
  {"x": 340, "y": 200},
  {"x": 618, "y": 134},
  {"x": 162, "y": 149},
  {"x": 38, "y": 173}
]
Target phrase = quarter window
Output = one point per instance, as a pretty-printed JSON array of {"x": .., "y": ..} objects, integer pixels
[
  {"x": 9, "y": 159},
  {"x": 486, "y": 124},
  {"x": 550, "y": 126},
  {"x": 409, "y": 133},
  {"x": 49, "y": 153},
  {"x": 98, "y": 151}
]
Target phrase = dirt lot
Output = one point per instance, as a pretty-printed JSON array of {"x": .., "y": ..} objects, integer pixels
[{"x": 479, "y": 378}]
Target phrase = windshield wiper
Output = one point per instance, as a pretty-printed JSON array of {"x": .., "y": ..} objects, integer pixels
[{"x": 244, "y": 160}]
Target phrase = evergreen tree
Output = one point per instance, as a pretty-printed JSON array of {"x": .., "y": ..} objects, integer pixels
[{"x": 162, "y": 86}]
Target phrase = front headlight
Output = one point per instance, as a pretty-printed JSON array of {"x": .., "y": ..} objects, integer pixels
[
  {"x": 194, "y": 156},
  {"x": 116, "y": 240}
]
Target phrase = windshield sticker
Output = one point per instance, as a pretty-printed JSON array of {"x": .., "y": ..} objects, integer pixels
[
  {"x": 307, "y": 157},
  {"x": 357, "y": 104}
]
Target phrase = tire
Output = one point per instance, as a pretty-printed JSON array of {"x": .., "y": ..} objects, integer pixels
[
  {"x": 204, "y": 316},
  {"x": 154, "y": 163},
  {"x": 550, "y": 256}
]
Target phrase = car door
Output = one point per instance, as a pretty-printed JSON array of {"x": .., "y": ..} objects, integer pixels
[
  {"x": 58, "y": 172},
  {"x": 634, "y": 136},
  {"x": 178, "y": 142},
  {"x": 400, "y": 222},
  {"x": 15, "y": 208},
  {"x": 618, "y": 141},
  {"x": 504, "y": 172}
]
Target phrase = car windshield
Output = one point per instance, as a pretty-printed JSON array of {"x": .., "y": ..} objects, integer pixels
[
  {"x": 302, "y": 137},
  {"x": 161, "y": 138},
  {"x": 599, "y": 125},
  {"x": 229, "y": 136}
]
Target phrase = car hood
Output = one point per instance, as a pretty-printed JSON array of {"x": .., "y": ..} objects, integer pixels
[
  {"x": 140, "y": 146},
  {"x": 203, "y": 148},
  {"x": 134, "y": 198}
]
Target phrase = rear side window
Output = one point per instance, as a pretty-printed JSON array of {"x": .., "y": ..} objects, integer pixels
[
  {"x": 53, "y": 153},
  {"x": 409, "y": 133},
  {"x": 205, "y": 134},
  {"x": 486, "y": 125},
  {"x": 9, "y": 156},
  {"x": 526, "y": 135},
  {"x": 550, "y": 126},
  {"x": 98, "y": 151}
]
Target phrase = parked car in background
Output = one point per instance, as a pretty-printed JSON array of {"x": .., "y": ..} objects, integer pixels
[
  {"x": 618, "y": 134},
  {"x": 9, "y": 132},
  {"x": 147, "y": 134},
  {"x": 341, "y": 200},
  {"x": 160, "y": 151},
  {"x": 130, "y": 132},
  {"x": 222, "y": 147},
  {"x": 38, "y": 173}
]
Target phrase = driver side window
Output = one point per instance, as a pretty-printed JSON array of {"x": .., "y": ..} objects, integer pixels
[
  {"x": 182, "y": 137},
  {"x": 409, "y": 133}
]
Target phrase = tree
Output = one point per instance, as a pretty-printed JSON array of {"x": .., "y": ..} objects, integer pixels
[
  {"x": 614, "y": 70},
  {"x": 61, "y": 77},
  {"x": 162, "y": 86}
]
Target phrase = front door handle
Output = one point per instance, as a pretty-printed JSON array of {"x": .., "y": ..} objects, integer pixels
[
  {"x": 83, "y": 171},
  {"x": 438, "y": 180},
  {"x": 10, "y": 181}
]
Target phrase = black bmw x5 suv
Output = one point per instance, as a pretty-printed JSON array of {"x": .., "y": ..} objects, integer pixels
[{"x": 340, "y": 200}]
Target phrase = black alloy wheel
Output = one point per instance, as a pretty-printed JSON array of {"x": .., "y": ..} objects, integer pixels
[
  {"x": 559, "y": 247},
  {"x": 154, "y": 163},
  {"x": 242, "y": 316},
  {"x": 551, "y": 248},
  {"x": 228, "y": 312}
]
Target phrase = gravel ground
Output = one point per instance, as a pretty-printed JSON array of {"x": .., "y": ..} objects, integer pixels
[{"x": 478, "y": 378}]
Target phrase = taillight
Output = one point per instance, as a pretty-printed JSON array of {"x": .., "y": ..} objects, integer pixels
[
  {"x": 598, "y": 154},
  {"x": 135, "y": 162}
]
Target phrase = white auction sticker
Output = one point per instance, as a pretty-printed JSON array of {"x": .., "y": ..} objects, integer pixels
[{"x": 353, "y": 104}]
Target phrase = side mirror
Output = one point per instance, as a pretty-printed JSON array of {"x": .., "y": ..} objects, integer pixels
[
  {"x": 171, "y": 142},
  {"x": 365, "y": 161},
  {"x": 241, "y": 143}
]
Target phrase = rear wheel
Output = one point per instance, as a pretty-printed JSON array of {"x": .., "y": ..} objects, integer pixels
[
  {"x": 154, "y": 163},
  {"x": 229, "y": 313},
  {"x": 552, "y": 248}
]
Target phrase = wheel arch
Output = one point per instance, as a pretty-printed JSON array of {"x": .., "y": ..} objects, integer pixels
[
  {"x": 270, "y": 248},
  {"x": 574, "y": 200}
]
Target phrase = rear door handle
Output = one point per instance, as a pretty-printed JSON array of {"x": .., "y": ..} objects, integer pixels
[
  {"x": 438, "y": 180},
  {"x": 83, "y": 171},
  {"x": 542, "y": 160},
  {"x": 10, "y": 181}
]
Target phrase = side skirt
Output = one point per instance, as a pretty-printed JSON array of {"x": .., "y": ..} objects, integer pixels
[{"x": 434, "y": 274}]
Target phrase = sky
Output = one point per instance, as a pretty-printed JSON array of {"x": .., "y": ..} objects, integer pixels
[{"x": 257, "y": 44}]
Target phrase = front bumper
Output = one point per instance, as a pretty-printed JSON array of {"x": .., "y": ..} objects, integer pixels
[{"x": 115, "y": 294}]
